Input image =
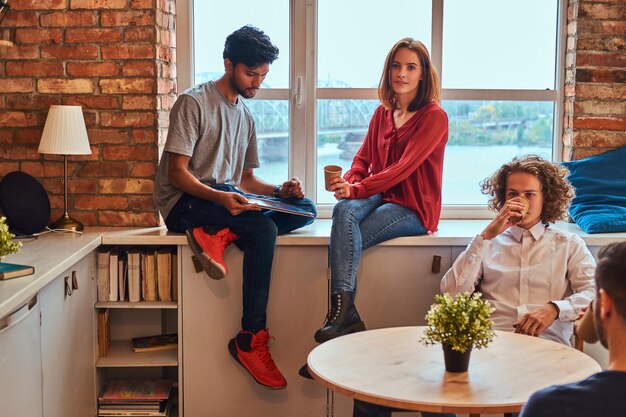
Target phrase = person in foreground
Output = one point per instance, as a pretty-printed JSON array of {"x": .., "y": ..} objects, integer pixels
[
  {"x": 209, "y": 158},
  {"x": 537, "y": 278},
  {"x": 602, "y": 394},
  {"x": 394, "y": 185}
]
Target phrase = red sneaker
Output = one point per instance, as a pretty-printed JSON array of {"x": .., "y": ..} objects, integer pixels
[
  {"x": 209, "y": 249},
  {"x": 250, "y": 350}
]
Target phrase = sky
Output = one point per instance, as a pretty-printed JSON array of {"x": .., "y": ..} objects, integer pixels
[{"x": 486, "y": 43}]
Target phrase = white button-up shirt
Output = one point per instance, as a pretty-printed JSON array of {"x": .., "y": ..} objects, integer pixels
[{"x": 521, "y": 270}]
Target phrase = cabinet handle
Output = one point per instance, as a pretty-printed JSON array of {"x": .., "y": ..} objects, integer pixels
[
  {"x": 68, "y": 286},
  {"x": 436, "y": 267},
  {"x": 18, "y": 315},
  {"x": 74, "y": 281}
]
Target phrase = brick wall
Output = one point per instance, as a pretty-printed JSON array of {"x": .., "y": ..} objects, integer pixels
[
  {"x": 116, "y": 59},
  {"x": 595, "y": 91}
]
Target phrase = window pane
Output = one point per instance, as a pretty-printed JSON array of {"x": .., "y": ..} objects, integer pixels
[
  {"x": 214, "y": 21},
  {"x": 271, "y": 118},
  {"x": 341, "y": 127},
  {"x": 499, "y": 44},
  {"x": 485, "y": 134},
  {"x": 354, "y": 38}
]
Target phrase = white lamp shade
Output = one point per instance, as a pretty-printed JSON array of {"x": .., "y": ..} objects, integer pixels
[{"x": 64, "y": 132}]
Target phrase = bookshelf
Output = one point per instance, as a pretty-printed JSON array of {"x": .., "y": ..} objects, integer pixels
[
  {"x": 127, "y": 320},
  {"x": 141, "y": 304}
]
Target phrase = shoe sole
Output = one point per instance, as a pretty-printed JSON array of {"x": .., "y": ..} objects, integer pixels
[
  {"x": 232, "y": 348},
  {"x": 212, "y": 268},
  {"x": 354, "y": 328}
]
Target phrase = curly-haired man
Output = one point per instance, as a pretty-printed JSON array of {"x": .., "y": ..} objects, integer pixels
[{"x": 537, "y": 278}]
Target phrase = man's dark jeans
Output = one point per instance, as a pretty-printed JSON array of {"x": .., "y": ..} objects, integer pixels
[{"x": 257, "y": 231}]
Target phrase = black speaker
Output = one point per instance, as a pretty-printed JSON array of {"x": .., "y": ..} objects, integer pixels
[{"x": 24, "y": 203}]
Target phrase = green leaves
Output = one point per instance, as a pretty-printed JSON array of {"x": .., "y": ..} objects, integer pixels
[
  {"x": 461, "y": 322},
  {"x": 7, "y": 246}
]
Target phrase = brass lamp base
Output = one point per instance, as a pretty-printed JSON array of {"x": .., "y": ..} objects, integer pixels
[{"x": 67, "y": 223}]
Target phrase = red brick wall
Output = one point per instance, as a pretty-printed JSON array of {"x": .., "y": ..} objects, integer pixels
[
  {"x": 595, "y": 91},
  {"x": 116, "y": 59}
]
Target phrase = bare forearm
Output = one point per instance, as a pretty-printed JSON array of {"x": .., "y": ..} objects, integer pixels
[
  {"x": 185, "y": 181},
  {"x": 254, "y": 185}
]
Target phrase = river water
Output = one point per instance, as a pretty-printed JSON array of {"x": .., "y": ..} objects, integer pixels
[{"x": 464, "y": 168}]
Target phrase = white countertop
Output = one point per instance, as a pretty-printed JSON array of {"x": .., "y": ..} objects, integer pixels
[
  {"x": 50, "y": 254},
  {"x": 53, "y": 253}
]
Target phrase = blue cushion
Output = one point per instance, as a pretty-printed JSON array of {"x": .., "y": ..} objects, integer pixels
[{"x": 600, "y": 182}]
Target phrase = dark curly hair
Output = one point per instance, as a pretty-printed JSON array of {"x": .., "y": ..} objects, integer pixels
[
  {"x": 556, "y": 189},
  {"x": 249, "y": 46}
]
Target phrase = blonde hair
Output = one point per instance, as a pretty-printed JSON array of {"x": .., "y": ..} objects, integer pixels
[
  {"x": 556, "y": 189},
  {"x": 429, "y": 88}
]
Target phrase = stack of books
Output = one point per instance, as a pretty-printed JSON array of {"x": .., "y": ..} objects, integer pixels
[
  {"x": 139, "y": 398},
  {"x": 137, "y": 274}
]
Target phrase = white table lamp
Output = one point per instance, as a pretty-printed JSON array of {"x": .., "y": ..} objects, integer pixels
[{"x": 65, "y": 134}]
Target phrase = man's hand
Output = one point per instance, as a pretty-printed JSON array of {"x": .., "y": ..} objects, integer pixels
[
  {"x": 502, "y": 221},
  {"x": 291, "y": 189},
  {"x": 535, "y": 322},
  {"x": 235, "y": 203}
]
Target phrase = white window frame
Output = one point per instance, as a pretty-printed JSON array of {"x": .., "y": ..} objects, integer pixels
[{"x": 303, "y": 93}]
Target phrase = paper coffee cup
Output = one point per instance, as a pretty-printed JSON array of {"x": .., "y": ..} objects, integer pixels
[
  {"x": 516, "y": 218},
  {"x": 585, "y": 327},
  {"x": 330, "y": 172}
]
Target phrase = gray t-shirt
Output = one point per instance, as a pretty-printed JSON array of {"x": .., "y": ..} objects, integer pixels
[{"x": 219, "y": 136}]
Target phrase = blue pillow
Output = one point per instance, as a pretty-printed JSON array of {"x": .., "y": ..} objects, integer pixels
[{"x": 600, "y": 182}]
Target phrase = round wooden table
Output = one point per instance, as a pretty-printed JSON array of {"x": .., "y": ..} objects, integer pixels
[{"x": 390, "y": 367}]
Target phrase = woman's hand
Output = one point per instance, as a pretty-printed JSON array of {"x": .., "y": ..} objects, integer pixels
[
  {"x": 502, "y": 221},
  {"x": 340, "y": 188}
]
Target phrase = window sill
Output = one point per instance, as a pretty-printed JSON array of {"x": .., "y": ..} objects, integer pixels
[{"x": 450, "y": 233}]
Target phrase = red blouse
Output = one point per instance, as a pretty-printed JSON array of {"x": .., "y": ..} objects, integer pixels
[{"x": 405, "y": 164}]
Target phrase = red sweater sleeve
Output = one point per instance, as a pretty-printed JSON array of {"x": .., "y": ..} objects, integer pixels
[
  {"x": 425, "y": 140},
  {"x": 360, "y": 168}
]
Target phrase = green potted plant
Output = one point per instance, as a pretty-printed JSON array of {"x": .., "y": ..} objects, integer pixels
[
  {"x": 7, "y": 246},
  {"x": 459, "y": 324}
]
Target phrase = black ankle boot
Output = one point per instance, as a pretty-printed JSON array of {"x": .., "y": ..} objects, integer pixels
[{"x": 341, "y": 319}]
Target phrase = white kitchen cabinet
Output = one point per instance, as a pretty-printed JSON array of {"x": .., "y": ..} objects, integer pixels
[
  {"x": 396, "y": 285},
  {"x": 20, "y": 362},
  {"x": 67, "y": 342},
  {"x": 215, "y": 384}
]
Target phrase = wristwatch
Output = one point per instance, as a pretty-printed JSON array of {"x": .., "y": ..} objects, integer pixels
[{"x": 277, "y": 191}]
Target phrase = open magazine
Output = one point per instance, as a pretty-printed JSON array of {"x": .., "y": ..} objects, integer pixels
[{"x": 279, "y": 206}]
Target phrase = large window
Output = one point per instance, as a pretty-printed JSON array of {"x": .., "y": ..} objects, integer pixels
[{"x": 498, "y": 61}]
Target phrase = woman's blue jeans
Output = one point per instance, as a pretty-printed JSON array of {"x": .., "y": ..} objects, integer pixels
[
  {"x": 257, "y": 231},
  {"x": 359, "y": 224}
]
